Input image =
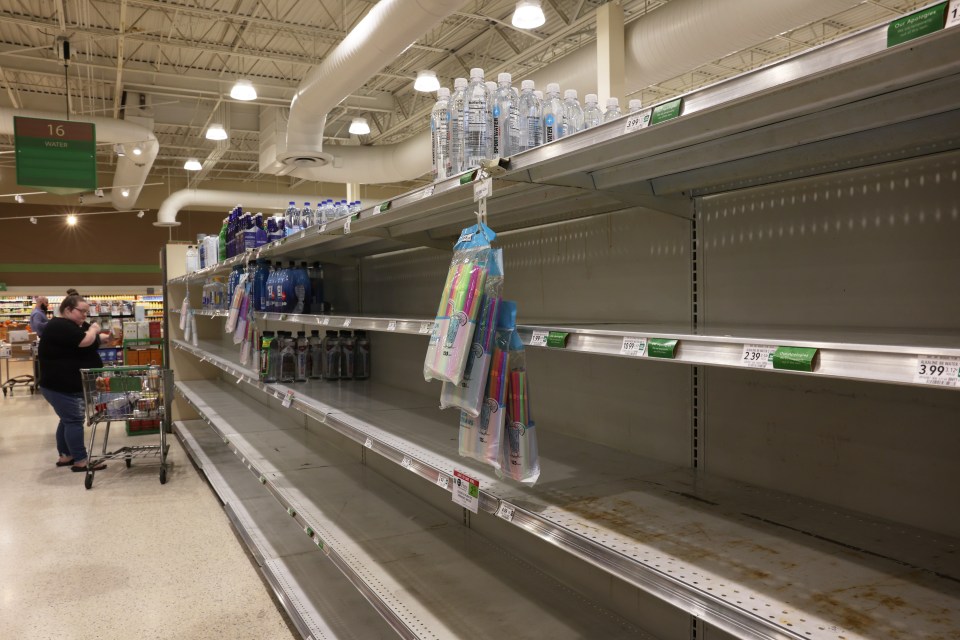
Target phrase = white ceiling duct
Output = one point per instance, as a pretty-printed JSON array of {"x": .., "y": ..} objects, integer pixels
[
  {"x": 131, "y": 172},
  {"x": 386, "y": 163},
  {"x": 267, "y": 202}
]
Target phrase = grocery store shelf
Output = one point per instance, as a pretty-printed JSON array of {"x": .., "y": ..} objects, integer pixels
[
  {"x": 754, "y": 563},
  {"x": 406, "y": 557}
]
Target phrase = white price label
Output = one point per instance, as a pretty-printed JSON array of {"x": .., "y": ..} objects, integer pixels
[
  {"x": 940, "y": 371},
  {"x": 406, "y": 463},
  {"x": 425, "y": 327},
  {"x": 466, "y": 491},
  {"x": 277, "y": 395},
  {"x": 368, "y": 444},
  {"x": 392, "y": 325},
  {"x": 482, "y": 189},
  {"x": 346, "y": 225},
  {"x": 757, "y": 356},
  {"x": 443, "y": 482},
  {"x": 283, "y": 317},
  {"x": 326, "y": 320},
  {"x": 637, "y": 121},
  {"x": 323, "y": 228},
  {"x": 633, "y": 346},
  {"x": 288, "y": 400},
  {"x": 505, "y": 511},
  {"x": 539, "y": 338},
  {"x": 953, "y": 14},
  {"x": 347, "y": 322},
  {"x": 303, "y": 234},
  {"x": 427, "y": 192}
]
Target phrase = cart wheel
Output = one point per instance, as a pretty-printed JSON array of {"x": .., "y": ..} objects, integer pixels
[
  {"x": 88, "y": 481},
  {"x": 129, "y": 462},
  {"x": 163, "y": 475}
]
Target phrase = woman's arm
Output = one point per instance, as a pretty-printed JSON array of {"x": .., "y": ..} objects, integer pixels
[{"x": 90, "y": 336}]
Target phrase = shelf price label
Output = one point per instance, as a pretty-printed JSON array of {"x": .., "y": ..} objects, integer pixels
[
  {"x": 426, "y": 327},
  {"x": 392, "y": 325},
  {"x": 757, "y": 356},
  {"x": 637, "y": 121},
  {"x": 940, "y": 371},
  {"x": 406, "y": 463},
  {"x": 288, "y": 399},
  {"x": 427, "y": 192},
  {"x": 662, "y": 348},
  {"x": 953, "y": 14},
  {"x": 539, "y": 338},
  {"x": 347, "y": 322},
  {"x": 666, "y": 111},
  {"x": 482, "y": 189},
  {"x": 796, "y": 358},
  {"x": 466, "y": 491},
  {"x": 326, "y": 320},
  {"x": 368, "y": 444},
  {"x": 505, "y": 511},
  {"x": 443, "y": 482},
  {"x": 633, "y": 346}
]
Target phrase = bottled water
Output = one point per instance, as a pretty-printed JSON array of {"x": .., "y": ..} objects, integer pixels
[
  {"x": 440, "y": 134},
  {"x": 592, "y": 116},
  {"x": 506, "y": 118},
  {"x": 635, "y": 105},
  {"x": 613, "y": 110},
  {"x": 476, "y": 142},
  {"x": 341, "y": 208},
  {"x": 355, "y": 207},
  {"x": 326, "y": 211},
  {"x": 458, "y": 114},
  {"x": 552, "y": 114},
  {"x": 307, "y": 216},
  {"x": 491, "y": 102},
  {"x": 530, "y": 114},
  {"x": 302, "y": 357},
  {"x": 292, "y": 218},
  {"x": 572, "y": 113}
]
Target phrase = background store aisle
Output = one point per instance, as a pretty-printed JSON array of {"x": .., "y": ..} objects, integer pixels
[{"x": 129, "y": 559}]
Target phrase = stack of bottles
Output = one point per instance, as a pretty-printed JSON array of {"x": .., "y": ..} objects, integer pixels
[
  {"x": 288, "y": 357},
  {"x": 214, "y": 295},
  {"x": 296, "y": 288},
  {"x": 327, "y": 211},
  {"x": 479, "y": 121}
]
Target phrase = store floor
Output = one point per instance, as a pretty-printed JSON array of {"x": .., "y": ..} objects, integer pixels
[{"x": 130, "y": 558}]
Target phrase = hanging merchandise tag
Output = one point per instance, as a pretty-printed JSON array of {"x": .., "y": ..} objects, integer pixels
[
  {"x": 428, "y": 191},
  {"x": 505, "y": 511},
  {"x": 347, "y": 322},
  {"x": 482, "y": 189},
  {"x": 633, "y": 346},
  {"x": 392, "y": 325},
  {"x": 666, "y": 111},
  {"x": 426, "y": 327},
  {"x": 539, "y": 338},
  {"x": 288, "y": 399},
  {"x": 346, "y": 225},
  {"x": 953, "y": 14},
  {"x": 637, "y": 121},
  {"x": 941, "y": 371},
  {"x": 443, "y": 482},
  {"x": 757, "y": 356},
  {"x": 466, "y": 491}
]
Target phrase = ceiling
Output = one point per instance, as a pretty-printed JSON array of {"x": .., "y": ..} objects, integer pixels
[{"x": 184, "y": 55}]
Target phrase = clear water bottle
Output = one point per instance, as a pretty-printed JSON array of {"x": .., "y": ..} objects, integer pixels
[
  {"x": 613, "y": 110},
  {"x": 635, "y": 105},
  {"x": 342, "y": 211},
  {"x": 292, "y": 217},
  {"x": 346, "y": 355},
  {"x": 491, "y": 141},
  {"x": 355, "y": 207},
  {"x": 552, "y": 114},
  {"x": 592, "y": 115},
  {"x": 288, "y": 357},
  {"x": 476, "y": 142},
  {"x": 361, "y": 356},
  {"x": 307, "y": 216},
  {"x": 315, "y": 368},
  {"x": 572, "y": 113},
  {"x": 458, "y": 114},
  {"x": 331, "y": 356},
  {"x": 530, "y": 114},
  {"x": 303, "y": 357},
  {"x": 506, "y": 115},
  {"x": 440, "y": 134}
]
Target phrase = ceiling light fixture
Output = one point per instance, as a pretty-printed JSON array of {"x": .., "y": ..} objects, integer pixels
[
  {"x": 140, "y": 214},
  {"x": 125, "y": 192},
  {"x": 528, "y": 15},
  {"x": 216, "y": 132},
  {"x": 118, "y": 149},
  {"x": 192, "y": 164},
  {"x": 138, "y": 150},
  {"x": 426, "y": 81},
  {"x": 359, "y": 127},
  {"x": 33, "y": 220},
  {"x": 98, "y": 193},
  {"x": 72, "y": 220},
  {"x": 243, "y": 90},
  {"x": 18, "y": 198}
]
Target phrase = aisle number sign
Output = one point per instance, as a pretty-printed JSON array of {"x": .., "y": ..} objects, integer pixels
[
  {"x": 55, "y": 153},
  {"x": 466, "y": 491}
]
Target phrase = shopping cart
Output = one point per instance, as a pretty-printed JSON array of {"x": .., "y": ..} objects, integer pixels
[{"x": 115, "y": 394}]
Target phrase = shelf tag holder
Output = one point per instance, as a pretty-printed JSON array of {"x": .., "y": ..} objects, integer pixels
[
  {"x": 662, "y": 348},
  {"x": 919, "y": 23},
  {"x": 632, "y": 346},
  {"x": 557, "y": 339},
  {"x": 796, "y": 358}
]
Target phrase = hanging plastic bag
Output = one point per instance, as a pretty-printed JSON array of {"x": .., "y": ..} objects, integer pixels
[
  {"x": 468, "y": 395},
  {"x": 456, "y": 318},
  {"x": 235, "y": 302},
  {"x": 184, "y": 311},
  {"x": 519, "y": 455},
  {"x": 480, "y": 436},
  {"x": 242, "y": 295}
]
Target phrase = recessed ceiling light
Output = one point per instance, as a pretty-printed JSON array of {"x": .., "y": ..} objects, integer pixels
[
  {"x": 359, "y": 127},
  {"x": 426, "y": 81},
  {"x": 243, "y": 90},
  {"x": 192, "y": 164},
  {"x": 216, "y": 132},
  {"x": 72, "y": 220},
  {"x": 125, "y": 192},
  {"x": 528, "y": 15}
]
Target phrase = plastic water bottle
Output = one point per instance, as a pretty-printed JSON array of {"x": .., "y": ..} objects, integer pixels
[
  {"x": 355, "y": 207},
  {"x": 613, "y": 110},
  {"x": 315, "y": 276},
  {"x": 292, "y": 218},
  {"x": 491, "y": 101},
  {"x": 302, "y": 357},
  {"x": 552, "y": 114},
  {"x": 530, "y": 114},
  {"x": 458, "y": 114},
  {"x": 307, "y": 216},
  {"x": 476, "y": 134},
  {"x": 506, "y": 116},
  {"x": 635, "y": 105},
  {"x": 440, "y": 134},
  {"x": 572, "y": 113},
  {"x": 592, "y": 116}
]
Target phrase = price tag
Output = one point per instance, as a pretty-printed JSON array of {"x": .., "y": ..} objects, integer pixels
[
  {"x": 539, "y": 338},
  {"x": 637, "y": 121},
  {"x": 482, "y": 189},
  {"x": 392, "y": 325},
  {"x": 283, "y": 317},
  {"x": 291, "y": 512},
  {"x": 346, "y": 225},
  {"x": 505, "y": 511},
  {"x": 326, "y": 320},
  {"x": 953, "y": 14},
  {"x": 347, "y": 322},
  {"x": 303, "y": 234},
  {"x": 323, "y": 228},
  {"x": 940, "y": 371},
  {"x": 276, "y": 394},
  {"x": 288, "y": 400},
  {"x": 466, "y": 491},
  {"x": 443, "y": 481},
  {"x": 428, "y": 191},
  {"x": 263, "y": 479},
  {"x": 426, "y": 327},
  {"x": 368, "y": 444},
  {"x": 757, "y": 356},
  {"x": 240, "y": 379},
  {"x": 406, "y": 463},
  {"x": 633, "y": 346}
]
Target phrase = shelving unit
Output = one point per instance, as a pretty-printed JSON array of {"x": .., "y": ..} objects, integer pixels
[{"x": 809, "y": 204}]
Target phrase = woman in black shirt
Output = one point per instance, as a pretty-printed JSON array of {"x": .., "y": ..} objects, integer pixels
[{"x": 69, "y": 343}]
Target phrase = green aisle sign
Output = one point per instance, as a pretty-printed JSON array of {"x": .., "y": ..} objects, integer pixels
[{"x": 55, "y": 153}]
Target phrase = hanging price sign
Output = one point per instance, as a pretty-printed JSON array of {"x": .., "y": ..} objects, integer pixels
[
  {"x": 466, "y": 491},
  {"x": 757, "y": 356},
  {"x": 940, "y": 371},
  {"x": 633, "y": 346},
  {"x": 482, "y": 189}
]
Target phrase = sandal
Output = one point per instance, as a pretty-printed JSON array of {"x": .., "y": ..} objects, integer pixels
[
  {"x": 96, "y": 467},
  {"x": 64, "y": 463}
]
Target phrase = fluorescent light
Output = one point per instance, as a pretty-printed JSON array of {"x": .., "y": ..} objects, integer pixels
[
  {"x": 359, "y": 127},
  {"x": 138, "y": 150},
  {"x": 72, "y": 220},
  {"x": 243, "y": 90},
  {"x": 528, "y": 15},
  {"x": 18, "y": 198},
  {"x": 125, "y": 192},
  {"x": 216, "y": 132},
  {"x": 426, "y": 81},
  {"x": 192, "y": 164}
]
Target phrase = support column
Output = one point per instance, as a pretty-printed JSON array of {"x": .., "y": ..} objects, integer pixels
[
  {"x": 353, "y": 191},
  {"x": 611, "y": 73}
]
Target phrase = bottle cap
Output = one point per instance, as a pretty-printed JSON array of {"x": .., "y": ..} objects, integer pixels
[
  {"x": 504, "y": 77},
  {"x": 612, "y": 102},
  {"x": 306, "y": 204},
  {"x": 443, "y": 92},
  {"x": 570, "y": 93},
  {"x": 476, "y": 72},
  {"x": 635, "y": 104},
  {"x": 591, "y": 97},
  {"x": 553, "y": 87},
  {"x": 527, "y": 84},
  {"x": 460, "y": 83},
  {"x": 292, "y": 203}
]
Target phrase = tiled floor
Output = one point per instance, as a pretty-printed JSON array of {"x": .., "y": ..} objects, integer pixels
[{"x": 130, "y": 558}]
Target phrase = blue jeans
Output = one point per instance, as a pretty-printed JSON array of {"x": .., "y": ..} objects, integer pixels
[{"x": 69, "y": 407}]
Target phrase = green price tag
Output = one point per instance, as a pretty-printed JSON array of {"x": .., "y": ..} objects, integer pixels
[
  {"x": 384, "y": 207},
  {"x": 661, "y": 348},
  {"x": 795, "y": 358},
  {"x": 917, "y": 24},
  {"x": 291, "y": 512},
  {"x": 467, "y": 178},
  {"x": 308, "y": 531},
  {"x": 557, "y": 339},
  {"x": 666, "y": 111}
]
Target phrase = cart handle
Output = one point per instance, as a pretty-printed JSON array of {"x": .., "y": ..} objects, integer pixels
[{"x": 126, "y": 368}]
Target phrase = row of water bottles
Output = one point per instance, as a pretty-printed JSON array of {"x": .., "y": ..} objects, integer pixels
[
  {"x": 484, "y": 120},
  {"x": 327, "y": 211},
  {"x": 284, "y": 357}
]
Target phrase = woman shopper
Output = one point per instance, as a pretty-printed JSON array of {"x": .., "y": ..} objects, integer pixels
[{"x": 69, "y": 344}]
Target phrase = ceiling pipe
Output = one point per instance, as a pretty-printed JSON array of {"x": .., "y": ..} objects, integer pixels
[
  {"x": 131, "y": 172},
  {"x": 167, "y": 213}
]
